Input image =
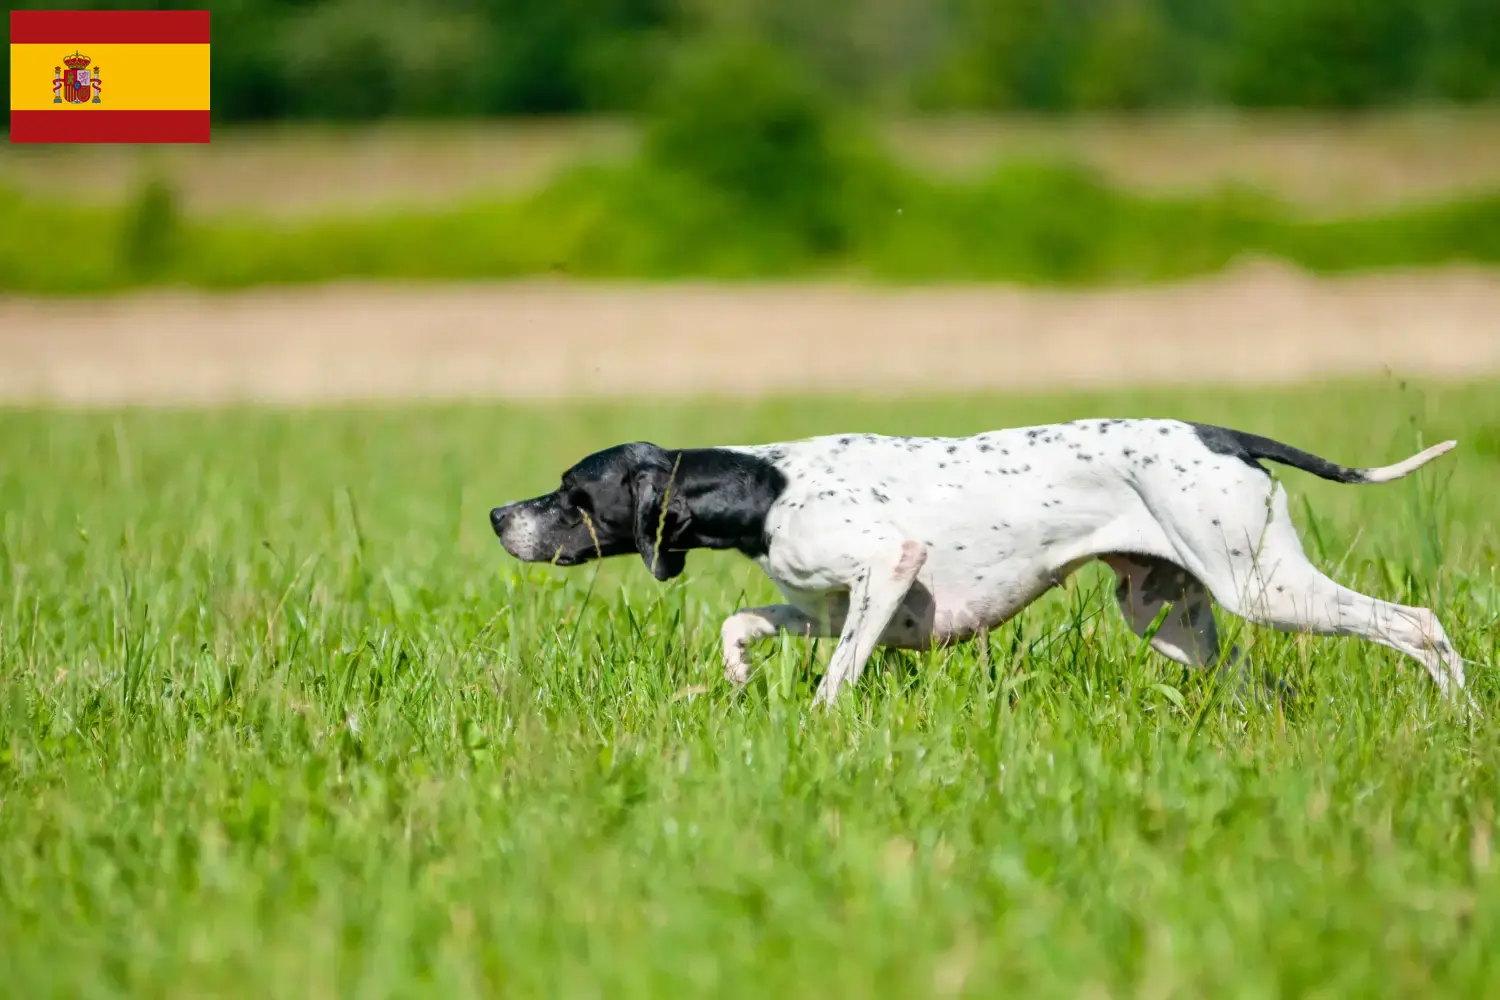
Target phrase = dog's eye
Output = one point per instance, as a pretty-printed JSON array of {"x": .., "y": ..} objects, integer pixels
[{"x": 576, "y": 498}]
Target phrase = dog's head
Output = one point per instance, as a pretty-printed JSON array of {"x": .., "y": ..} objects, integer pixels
[{"x": 615, "y": 502}]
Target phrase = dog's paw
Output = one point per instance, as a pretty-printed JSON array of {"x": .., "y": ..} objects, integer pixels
[
  {"x": 736, "y": 668},
  {"x": 736, "y": 663}
]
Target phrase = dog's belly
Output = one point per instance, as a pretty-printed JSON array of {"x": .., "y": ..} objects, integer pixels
[
  {"x": 991, "y": 551},
  {"x": 945, "y": 605},
  {"x": 968, "y": 600}
]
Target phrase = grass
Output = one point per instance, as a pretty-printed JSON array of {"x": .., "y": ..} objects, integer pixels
[
  {"x": 278, "y": 718},
  {"x": 1035, "y": 223}
]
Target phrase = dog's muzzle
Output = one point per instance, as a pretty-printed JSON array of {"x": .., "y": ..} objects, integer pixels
[
  {"x": 522, "y": 532},
  {"x": 498, "y": 517},
  {"x": 516, "y": 532}
]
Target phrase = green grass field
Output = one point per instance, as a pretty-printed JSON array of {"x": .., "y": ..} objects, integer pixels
[{"x": 278, "y": 718}]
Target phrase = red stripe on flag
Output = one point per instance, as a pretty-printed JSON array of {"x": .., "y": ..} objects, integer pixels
[
  {"x": 109, "y": 126},
  {"x": 100, "y": 27}
]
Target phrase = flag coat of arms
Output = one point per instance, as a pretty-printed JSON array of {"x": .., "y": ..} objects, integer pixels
[{"x": 109, "y": 76}]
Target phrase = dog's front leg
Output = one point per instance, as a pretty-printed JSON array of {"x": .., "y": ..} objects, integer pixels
[
  {"x": 874, "y": 595},
  {"x": 751, "y": 625}
]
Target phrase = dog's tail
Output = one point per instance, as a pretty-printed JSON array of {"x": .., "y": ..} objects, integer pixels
[{"x": 1253, "y": 446}]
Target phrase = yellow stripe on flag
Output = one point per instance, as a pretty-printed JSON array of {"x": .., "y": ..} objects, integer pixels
[{"x": 131, "y": 77}]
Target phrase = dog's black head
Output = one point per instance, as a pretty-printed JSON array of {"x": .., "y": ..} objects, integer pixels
[
  {"x": 647, "y": 500},
  {"x": 614, "y": 502}
]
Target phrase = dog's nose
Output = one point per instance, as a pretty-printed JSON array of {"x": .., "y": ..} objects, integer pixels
[{"x": 498, "y": 516}]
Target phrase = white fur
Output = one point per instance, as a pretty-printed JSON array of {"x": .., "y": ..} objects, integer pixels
[{"x": 914, "y": 542}]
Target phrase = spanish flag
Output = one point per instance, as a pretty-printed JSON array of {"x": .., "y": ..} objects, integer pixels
[{"x": 109, "y": 76}]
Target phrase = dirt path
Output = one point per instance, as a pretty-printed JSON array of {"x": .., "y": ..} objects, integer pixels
[
  {"x": 1321, "y": 163},
  {"x": 539, "y": 340}
]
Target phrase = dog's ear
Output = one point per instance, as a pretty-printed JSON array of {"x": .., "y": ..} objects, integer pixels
[{"x": 661, "y": 515}]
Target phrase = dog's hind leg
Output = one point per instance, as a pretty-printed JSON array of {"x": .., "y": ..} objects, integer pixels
[
  {"x": 874, "y": 596},
  {"x": 1188, "y": 634},
  {"x": 1269, "y": 580}
]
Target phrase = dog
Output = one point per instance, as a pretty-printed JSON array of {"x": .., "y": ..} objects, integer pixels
[{"x": 914, "y": 542}]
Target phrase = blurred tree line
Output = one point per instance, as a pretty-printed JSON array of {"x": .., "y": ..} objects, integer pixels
[{"x": 362, "y": 59}]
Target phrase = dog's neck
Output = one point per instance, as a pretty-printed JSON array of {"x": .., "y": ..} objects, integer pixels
[{"x": 729, "y": 494}]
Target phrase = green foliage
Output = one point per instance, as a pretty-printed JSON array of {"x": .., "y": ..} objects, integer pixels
[
  {"x": 684, "y": 212},
  {"x": 747, "y": 170},
  {"x": 753, "y": 167},
  {"x": 361, "y": 59},
  {"x": 1325, "y": 53},
  {"x": 741, "y": 122},
  {"x": 1054, "y": 223},
  {"x": 1040, "y": 55},
  {"x": 29, "y": 226},
  {"x": 152, "y": 231},
  {"x": 278, "y": 718}
]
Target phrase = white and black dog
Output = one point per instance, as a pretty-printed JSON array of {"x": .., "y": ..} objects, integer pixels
[{"x": 913, "y": 542}]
